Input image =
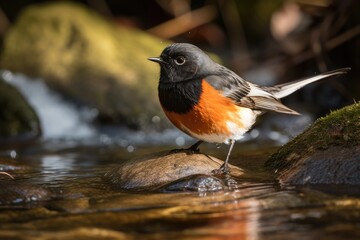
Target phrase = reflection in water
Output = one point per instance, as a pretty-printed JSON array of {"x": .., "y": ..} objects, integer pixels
[
  {"x": 86, "y": 207},
  {"x": 237, "y": 217},
  {"x": 55, "y": 167}
]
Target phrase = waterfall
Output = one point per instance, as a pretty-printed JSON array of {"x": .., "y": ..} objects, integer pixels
[
  {"x": 61, "y": 119},
  {"x": 58, "y": 117}
]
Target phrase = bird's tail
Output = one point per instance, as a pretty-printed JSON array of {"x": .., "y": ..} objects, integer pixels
[{"x": 283, "y": 90}]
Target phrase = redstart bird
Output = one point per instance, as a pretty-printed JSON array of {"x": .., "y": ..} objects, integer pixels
[{"x": 210, "y": 102}]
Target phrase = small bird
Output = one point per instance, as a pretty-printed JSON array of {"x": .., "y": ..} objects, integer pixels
[{"x": 213, "y": 104}]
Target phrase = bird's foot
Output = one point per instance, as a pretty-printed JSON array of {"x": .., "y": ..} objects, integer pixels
[{"x": 223, "y": 170}]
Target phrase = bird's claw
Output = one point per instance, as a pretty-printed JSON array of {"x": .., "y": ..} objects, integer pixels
[{"x": 223, "y": 170}]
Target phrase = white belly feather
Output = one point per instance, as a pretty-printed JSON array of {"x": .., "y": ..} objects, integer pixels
[{"x": 240, "y": 122}]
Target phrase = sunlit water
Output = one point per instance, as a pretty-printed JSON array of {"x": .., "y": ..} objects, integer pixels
[
  {"x": 72, "y": 158},
  {"x": 83, "y": 204}
]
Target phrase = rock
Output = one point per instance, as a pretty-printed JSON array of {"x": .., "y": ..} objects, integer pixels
[
  {"x": 198, "y": 182},
  {"x": 169, "y": 171},
  {"x": 12, "y": 192},
  {"x": 335, "y": 165},
  {"x": 88, "y": 59},
  {"x": 18, "y": 121},
  {"x": 13, "y": 186},
  {"x": 326, "y": 153}
]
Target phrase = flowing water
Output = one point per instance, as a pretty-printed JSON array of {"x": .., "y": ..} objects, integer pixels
[
  {"x": 70, "y": 199},
  {"x": 83, "y": 206}
]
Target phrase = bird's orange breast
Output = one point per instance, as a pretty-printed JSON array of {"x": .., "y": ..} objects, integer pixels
[{"x": 211, "y": 115}]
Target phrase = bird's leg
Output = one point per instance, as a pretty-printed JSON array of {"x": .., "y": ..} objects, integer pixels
[
  {"x": 192, "y": 149},
  {"x": 224, "y": 168}
]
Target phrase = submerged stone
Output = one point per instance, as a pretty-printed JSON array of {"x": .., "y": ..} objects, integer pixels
[
  {"x": 177, "y": 170},
  {"x": 200, "y": 183},
  {"x": 326, "y": 153},
  {"x": 12, "y": 192}
]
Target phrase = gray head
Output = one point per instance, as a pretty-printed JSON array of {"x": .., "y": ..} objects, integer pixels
[{"x": 183, "y": 62}]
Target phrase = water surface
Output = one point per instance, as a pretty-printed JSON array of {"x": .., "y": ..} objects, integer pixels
[{"x": 83, "y": 205}]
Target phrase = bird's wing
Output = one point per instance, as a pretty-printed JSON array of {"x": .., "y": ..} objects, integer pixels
[
  {"x": 230, "y": 85},
  {"x": 259, "y": 99},
  {"x": 245, "y": 94}
]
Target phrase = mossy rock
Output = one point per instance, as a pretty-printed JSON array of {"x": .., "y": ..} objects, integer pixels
[
  {"x": 327, "y": 152},
  {"x": 88, "y": 59},
  {"x": 18, "y": 121}
]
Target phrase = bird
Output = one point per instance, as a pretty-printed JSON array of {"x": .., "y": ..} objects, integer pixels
[{"x": 211, "y": 103}]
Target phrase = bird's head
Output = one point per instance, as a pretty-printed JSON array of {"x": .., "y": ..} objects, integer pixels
[{"x": 183, "y": 62}]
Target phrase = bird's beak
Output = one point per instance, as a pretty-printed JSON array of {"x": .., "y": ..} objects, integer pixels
[{"x": 157, "y": 59}]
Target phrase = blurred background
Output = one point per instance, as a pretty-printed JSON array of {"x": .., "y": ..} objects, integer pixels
[{"x": 79, "y": 69}]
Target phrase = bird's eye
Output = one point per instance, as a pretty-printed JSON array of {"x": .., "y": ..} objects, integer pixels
[{"x": 180, "y": 60}]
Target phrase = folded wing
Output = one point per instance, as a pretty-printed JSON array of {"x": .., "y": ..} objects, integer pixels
[{"x": 252, "y": 96}]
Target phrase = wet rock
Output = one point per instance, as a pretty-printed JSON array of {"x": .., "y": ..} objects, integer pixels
[
  {"x": 335, "y": 165},
  {"x": 201, "y": 183},
  {"x": 18, "y": 121},
  {"x": 88, "y": 59},
  {"x": 12, "y": 192},
  {"x": 326, "y": 153},
  {"x": 178, "y": 171}
]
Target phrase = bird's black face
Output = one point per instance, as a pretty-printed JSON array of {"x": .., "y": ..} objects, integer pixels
[{"x": 182, "y": 62}]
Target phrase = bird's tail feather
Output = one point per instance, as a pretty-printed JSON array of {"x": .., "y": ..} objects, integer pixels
[{"x": 283, "y": 90}]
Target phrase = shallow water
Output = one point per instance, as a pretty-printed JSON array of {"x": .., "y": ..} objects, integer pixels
[{"x": 83, "y": 206}]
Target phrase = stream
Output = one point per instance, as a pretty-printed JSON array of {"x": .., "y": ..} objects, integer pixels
[
  {"x": 82, "y": 205},
  {"x": 70, "y": 199}
]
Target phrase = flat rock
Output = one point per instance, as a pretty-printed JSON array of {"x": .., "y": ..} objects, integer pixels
[{"x": 185, "y": 171}]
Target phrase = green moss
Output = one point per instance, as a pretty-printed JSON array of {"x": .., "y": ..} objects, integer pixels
[
  {"x": 87, "y": 58},
  {"x": 17, "y": 118},
  {"x": 339, "y": 128}
]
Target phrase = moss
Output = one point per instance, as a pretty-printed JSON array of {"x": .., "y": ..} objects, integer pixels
[
  {"x": 17, "y": 118},
  {"x": 87, "y": 58},
  {"x": 339, "y": 128}
]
